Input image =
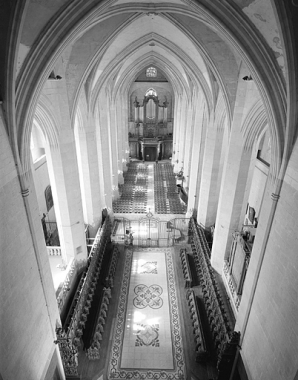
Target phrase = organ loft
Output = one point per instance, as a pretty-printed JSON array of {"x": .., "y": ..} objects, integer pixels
[{"x": 148, "y": 190}]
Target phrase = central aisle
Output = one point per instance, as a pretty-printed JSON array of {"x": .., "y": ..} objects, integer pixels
[
  {"x": 150, "y": 184},
  {"x": 147, "y": 337}
]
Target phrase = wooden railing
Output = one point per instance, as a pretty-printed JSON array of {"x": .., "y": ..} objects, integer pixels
[
  {"x": 68, "y": 337},
  {"x": 224, "y": 338}
]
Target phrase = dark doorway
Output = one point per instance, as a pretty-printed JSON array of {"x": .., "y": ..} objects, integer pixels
[
  {"x": 160, "y": 152},
  {"x": 150, "y": 153}
]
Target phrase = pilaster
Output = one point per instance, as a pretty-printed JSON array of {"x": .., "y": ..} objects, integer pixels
[
  {"x": 181, "y": 139},
  {"x": 89, "y": 174},
  {"x": 176, "y": 130},
  {"x": 198, "y": 133},
  {"x": 208, "y": 194},
  {"x": 103, "y": 148},
  {"x": 113, "y": 146},
  {"x": 120, "y": 132},
  {"x": 64, "y": 177},
  {"x": 188, "y": 144},
  {"x": 235, "y": 178}
]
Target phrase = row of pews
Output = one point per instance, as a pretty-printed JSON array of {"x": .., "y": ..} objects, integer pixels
[
  {"x": 166, "y": 198},
  {"x": 134, "y": 191},
  {"x": 201, "y": 347},
  {"x": 93, "y": 352},
  {"x": 225, "y": 339},
  {"x": 186, "y": 268},
  {"x": 69, "y": 336}
]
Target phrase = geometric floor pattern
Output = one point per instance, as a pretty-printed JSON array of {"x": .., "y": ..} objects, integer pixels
[
  {"x": 147, "y": 341},
  {"x": 149, "y": 185},
  {"x": 166, "y": 197},
  {"x": 134, "y": 191}
]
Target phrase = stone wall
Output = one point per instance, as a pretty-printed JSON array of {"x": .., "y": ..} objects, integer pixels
[
  {"x": 269, "y": 348},
  {"x": 41, "y": 181},
  {"x": 28, "y": 305}
]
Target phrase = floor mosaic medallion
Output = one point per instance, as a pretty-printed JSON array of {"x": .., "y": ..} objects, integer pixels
[{"x": 147, "y": 342}]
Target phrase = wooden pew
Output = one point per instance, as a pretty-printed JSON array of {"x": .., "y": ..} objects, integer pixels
[
  {"x": 186, "y": 268},
  {"x": 201, "y": 348}
]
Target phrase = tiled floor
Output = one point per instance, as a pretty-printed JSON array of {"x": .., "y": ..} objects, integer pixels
[
  {"x": 149, "y": 186},
  {"x": 147, "y": 334},
  {"x": 109, "y": 364},
  {"x": 147, "y": 338},
  {"x": 150, "y": 194}
]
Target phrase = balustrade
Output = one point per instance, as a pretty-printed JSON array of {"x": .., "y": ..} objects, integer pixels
[{"x": 54, "y": 251}]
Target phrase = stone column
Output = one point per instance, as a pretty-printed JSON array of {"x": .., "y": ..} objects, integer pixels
[
  {"x": 188, "y": 144},
  {"x": 113, "y": 146},
  {"x": 181, "y": 138},
  {"x": 234, "y": 180},
  {"x": 64, "y": 177},
  {"x": 92, "y": 191},
  {"x": 143, "y": 155},
  {"x": 208, "y": 194},
  {"x": 120, "y": 131},
  {"x": 176, "y": 130},
  {"x": 198, "y": 138},
  {"x": 103, "y": 148},
  {"x": 125, "y": 135}
]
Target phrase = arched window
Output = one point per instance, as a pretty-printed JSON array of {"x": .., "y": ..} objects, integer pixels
[
  {"x": 151, "y": 72},
  {"x": 48, "y": 197},
  {"x": 151, "y": 91}
]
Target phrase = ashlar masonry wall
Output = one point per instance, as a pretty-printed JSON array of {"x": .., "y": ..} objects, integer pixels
[
  {"x": 269, "y": 348},
  {"x": 28, "y": 306}
]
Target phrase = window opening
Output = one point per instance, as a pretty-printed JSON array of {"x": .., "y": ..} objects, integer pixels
[{"x": 151, "y": 72}]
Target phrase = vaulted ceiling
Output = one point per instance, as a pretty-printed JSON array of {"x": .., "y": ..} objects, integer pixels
[
  {"x": 194, "y": 43},
  {"x": 199, "y": 45}
]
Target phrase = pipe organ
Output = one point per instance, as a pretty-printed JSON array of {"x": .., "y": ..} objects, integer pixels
[
  {"x": 150, "y": 136},
  {"x": 152, "y": 115}
]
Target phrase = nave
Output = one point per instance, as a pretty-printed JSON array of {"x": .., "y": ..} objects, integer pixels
[
  {"x": 86, "y": 86},
  {"x": 149, "y": 333},
  {"x": 150, "y": 305}
]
